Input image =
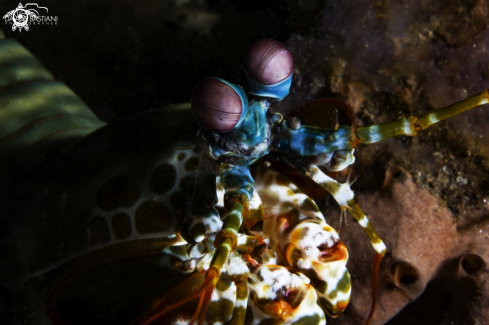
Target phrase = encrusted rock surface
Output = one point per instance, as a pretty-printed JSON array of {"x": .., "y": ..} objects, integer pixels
[
  {"x": 435, "y": 270},
  {"x": 388, "y": 59}
]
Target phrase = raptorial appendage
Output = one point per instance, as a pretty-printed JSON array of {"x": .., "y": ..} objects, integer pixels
[
  {"x": 238, "y": 187},
  {"x": 283, "y": 296},
  {"x": 254, "y": 132},
  {"x": 145, "y": 206},
  {"x": 304, "y": 241},
  {"x": 297, "y": 291}
]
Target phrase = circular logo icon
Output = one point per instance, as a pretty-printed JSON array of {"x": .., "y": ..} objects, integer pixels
[{"x": 20, "y": 17}]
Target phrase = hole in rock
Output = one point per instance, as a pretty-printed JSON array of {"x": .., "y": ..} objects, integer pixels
[{"x": 471, "y": 263}]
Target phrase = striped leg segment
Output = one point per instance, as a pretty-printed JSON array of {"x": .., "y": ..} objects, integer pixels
[
  {"x": 238, "y": 186},
  {"x": 347, "y": 201},
  {"x": 194, "y": 298},
  {"x": 239, "y": 273},
  {"x": 412, "y": 126},
  {"x": 297, "y": 142}
]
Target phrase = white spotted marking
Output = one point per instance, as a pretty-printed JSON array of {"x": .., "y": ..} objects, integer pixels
[
  {"x": 236, "y": 266},
  {"x": 374, "y": 134},
  {"x": 229, "y": 294},
  {"x": 379, "y": 247},
  {"x": 312, "y": 235},
  {"x": 341, "y": 296},
  {"x": 342, "y": 159},
  {"x": 433, "y": 119},
  {"x": 363, "y": 222},
  {"x": 241, "y": 303},
  {"x": 212, "y": 224},
  {"x": 407, "y": 127},
  {"x": 283, "y": 192},
  {"x": 277, "y": 279},
  {"x": 304, "y": 263},
  {"x": 336, "y": 272}
]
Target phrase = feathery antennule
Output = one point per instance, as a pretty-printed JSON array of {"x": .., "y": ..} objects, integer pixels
[
  {"x": 343, "y": 216},
  {"x": 348, "y": 178},
  {"x": 255, "y": 284},
  {"x": 353, "y": 182}
]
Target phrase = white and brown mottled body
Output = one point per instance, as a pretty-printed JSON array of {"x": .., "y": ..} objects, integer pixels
[
  {"x": 117, "y": 224},
  {"x": 100, "y": 218}
]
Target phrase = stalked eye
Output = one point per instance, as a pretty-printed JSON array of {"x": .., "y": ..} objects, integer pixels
[
  {"x": 218, "y": 105},
  {"x": 269, "y": 67},
  {"x": 268, "y": 61}
]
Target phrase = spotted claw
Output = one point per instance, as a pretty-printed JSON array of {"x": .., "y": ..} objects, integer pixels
[
  {"x": 279, "y": 296},
  {"x": 316, "y": 249}
]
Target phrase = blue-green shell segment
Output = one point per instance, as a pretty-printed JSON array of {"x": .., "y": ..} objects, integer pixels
[
  {"x": 311, "y": 141},
  {"x": 251, "y": 130},
  {"x": 277, "y": 91}
]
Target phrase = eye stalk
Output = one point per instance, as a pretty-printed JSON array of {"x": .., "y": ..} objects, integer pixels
[
  {"x": 269, "y": 67},
  {"x": 218, "y": 105}
]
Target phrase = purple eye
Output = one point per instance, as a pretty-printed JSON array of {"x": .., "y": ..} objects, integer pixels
[
  {"x": 269, "y": 67},
  {"x": 218, "y": 105},
  {"x": 268, "y": 61}
]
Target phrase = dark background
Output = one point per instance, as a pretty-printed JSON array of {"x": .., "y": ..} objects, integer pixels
[
  {"x": 124, "y": 57},
  {"x": 387, "y": 58}
]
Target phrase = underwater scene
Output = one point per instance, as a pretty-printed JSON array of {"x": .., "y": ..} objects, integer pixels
[{"x": 244, "y": 162}]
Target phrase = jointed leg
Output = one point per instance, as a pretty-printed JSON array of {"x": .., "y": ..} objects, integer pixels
[
  {"x": 239, "y": 273},
  {"x": 347, "y": 200},
  {"x": 412, "y": 126},
  {"x": 199, "y": 287},
  {"x": 238, "y": 185}
]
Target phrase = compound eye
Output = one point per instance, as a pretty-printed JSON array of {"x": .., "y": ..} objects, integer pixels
[
  {"x": 268, "y": 62},
  {"x": 269, "y": 67},
  {"x": 218, "y": 105}
]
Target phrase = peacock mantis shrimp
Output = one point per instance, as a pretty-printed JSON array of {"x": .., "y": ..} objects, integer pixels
[{"x": 143, "y": 222}]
